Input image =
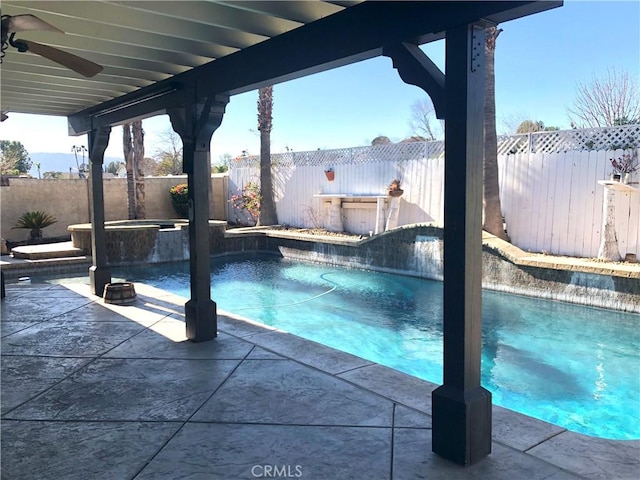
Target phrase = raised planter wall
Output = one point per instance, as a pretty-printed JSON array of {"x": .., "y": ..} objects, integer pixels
[{"x": 140, "y": 242}]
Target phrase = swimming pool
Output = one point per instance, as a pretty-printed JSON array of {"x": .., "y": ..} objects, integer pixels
[{"x": 574, "y": 366}]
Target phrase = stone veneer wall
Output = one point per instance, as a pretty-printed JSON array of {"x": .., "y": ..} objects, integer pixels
[
  {"x": 606, "y": 291},
  {"x": 396, "y": 252},
  {"x": 393, "y": 251}
]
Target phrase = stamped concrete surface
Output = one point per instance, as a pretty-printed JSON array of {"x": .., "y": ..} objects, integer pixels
[{"x": 95, "y": 391}]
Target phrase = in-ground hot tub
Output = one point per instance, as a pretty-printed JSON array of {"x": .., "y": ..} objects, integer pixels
[{"x": 143, "y": 241}]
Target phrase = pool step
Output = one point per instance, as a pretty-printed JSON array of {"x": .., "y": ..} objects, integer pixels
[{"x": 47, "y": 250}]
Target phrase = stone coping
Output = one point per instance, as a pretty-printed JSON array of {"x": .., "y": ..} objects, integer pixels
[
  {"x": 280, "y": 232},
  {"x": 43, "y": 251},
  {"x": 126, "y": 225},
  {"x": 520, "y": 257},
  {"x": 505, "y": 249},
  {"x": 141, "y": 224}
]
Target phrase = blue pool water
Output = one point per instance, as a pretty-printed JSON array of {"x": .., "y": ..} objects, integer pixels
[{"x": 574, "y": 366}]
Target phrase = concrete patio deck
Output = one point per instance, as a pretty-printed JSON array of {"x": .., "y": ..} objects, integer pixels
[{"x": 98, "y": 391}]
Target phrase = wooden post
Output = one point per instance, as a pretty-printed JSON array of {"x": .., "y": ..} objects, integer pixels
[
  {"x": 99, "y": 272},
  {"x": 195, "y": 123},
  {"x": 461, "y": 407}
]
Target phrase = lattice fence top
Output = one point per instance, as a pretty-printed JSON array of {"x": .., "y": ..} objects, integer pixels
[
  {"x": 392, "y": 152},
  {"x": 608, "y": 138}
]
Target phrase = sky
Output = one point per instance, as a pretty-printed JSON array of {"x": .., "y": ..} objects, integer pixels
[{"x": 539, "y": 62}]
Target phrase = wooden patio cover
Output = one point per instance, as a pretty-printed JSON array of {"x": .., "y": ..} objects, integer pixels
[{"x": 195, "y": 101}]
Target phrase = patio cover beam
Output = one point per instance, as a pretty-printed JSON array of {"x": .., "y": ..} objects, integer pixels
[
  {"x": 416, "y": 68},
  {"x": 357, "y": 33}
]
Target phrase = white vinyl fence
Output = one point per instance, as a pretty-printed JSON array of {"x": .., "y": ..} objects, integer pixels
[{"x": 551, "y": 199}]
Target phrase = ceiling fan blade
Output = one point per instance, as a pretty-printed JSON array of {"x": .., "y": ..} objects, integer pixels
[
  {"x": 20, "y": 23},
  {"x": 78, "y": 64}
]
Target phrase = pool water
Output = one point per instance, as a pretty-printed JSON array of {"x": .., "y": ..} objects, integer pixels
[{"x": 576, "y": 367}]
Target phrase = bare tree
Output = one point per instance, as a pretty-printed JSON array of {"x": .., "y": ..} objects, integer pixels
[
  {"x": 423, "y": 120},
  {"x": 169, "y": 155},
  {"x": 492, "y": 208},
  {"x": 509, "y": 123},
  {"x": 611, "y": 99},
  {"x": 268, "y": 214},
  {"x": 14, "y": 158},
  {"x": 150, "y": 166}
]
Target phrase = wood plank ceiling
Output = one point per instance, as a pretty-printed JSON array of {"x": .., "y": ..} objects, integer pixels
[{"x": 138, "y": 43}]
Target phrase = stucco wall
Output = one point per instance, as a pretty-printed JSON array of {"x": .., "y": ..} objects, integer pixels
[{"x": 68, "y": 201}]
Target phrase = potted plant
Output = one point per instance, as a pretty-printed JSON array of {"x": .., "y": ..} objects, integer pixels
[
  {"x": 394, "y": 188},
  {"x": 330, "y": 174},
  {"x": 35, "y": 222},
  {"x": 180, "y": 200},
  {"x": 624, "y": 166}
]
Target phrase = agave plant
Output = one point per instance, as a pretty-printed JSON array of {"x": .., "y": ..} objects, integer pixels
[{"x": 35, "y": 222}]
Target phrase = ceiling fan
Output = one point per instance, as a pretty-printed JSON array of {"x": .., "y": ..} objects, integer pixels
[{"x": 19, "y": 23}]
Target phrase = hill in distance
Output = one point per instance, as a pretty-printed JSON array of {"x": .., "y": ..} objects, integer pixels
[{"x": 61, "y": 162}]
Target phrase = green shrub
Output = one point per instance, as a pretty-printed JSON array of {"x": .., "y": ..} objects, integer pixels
[{"x": 35, "y": 222}]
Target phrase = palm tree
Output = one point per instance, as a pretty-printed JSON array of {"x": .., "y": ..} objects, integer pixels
[
  {"x": 268, "y": 214},
  {"x": 492, "y": 209},
  {"x": 128, "y": 159},
  {"x": 138, "y": 163},
  {"x": 81, "y": 168}
]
